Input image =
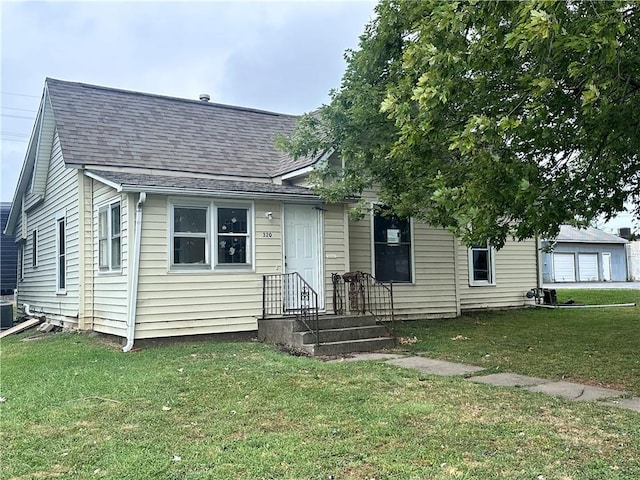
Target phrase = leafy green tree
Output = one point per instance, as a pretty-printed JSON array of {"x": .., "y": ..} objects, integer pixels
[{"x": 491, "y": 119}]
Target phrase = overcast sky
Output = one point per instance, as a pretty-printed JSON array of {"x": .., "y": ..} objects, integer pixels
[
  {"x": 278, "y": 56},
  {"x": 272, "y": 55}
]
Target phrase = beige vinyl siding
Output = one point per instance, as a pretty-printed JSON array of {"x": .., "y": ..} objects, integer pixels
[
  {"x": 110, "y": 294},
  {"x": 38, "y": 288},
  {"x": 432, "y": 293},
  {"x": 335, "y": 248},
  {"x": 268, "y": 257},
  {"x": 85, "y": 202},
  {"x": 360, "y": 244},
  {"x": 173, "y": 303},
  {"x": 515, "y": 274}
]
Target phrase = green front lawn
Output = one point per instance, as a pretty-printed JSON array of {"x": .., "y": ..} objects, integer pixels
[
  {"x": 78, "y": 408},
  {"x": 599, "y": 346}
]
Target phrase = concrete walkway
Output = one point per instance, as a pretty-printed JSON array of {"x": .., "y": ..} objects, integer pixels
[{"x": 571, "y": 391}]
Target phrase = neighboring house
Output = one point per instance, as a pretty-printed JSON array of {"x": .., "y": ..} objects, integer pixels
[
  {"x": 8, "y": 255},
  {"x": 145, "y": 216},
  {"x": 585, "y": 255}
]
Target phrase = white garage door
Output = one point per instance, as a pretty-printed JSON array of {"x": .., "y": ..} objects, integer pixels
[
  {"x": 564, "y": 269},
  {"x": 588, "y": 267}
]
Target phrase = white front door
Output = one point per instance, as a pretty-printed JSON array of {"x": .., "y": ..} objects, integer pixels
[
  {"x": 303, "y": 245},
  {"x": 606, "y": 266}
]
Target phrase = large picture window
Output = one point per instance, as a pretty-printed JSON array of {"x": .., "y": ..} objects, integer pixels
[
  {"x": 109, "y": 237},
  {"x": 392, "y": 247},
  {"x": 481, "y": 265},
  {"x": 195, "y": 243}
]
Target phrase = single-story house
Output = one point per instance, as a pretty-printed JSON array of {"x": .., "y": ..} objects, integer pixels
[
  {"x": 584, "y": 255},
  {"x": 144, "y": 216}
]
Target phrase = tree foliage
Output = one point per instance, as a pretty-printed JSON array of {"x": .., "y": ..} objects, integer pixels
[{"x": 491, "y": 119}]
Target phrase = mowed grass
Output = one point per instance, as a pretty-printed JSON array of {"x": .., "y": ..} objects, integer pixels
[
  {"x": 78, "y": 408},
  {"x": 598, "y": 346}
]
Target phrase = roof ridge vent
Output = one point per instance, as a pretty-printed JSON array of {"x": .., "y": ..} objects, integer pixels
[{"x": 204, "y": 97}]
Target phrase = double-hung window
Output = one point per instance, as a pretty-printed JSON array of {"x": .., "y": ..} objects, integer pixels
[
  {"x": 190, "y": 235},
  {"x": 232, "y": 236},
  {"x": 392, "y": 247},
  {"x": 196, "y": 244},
  {"x": 481, "y": 265},
  {"x": 109, "y": 237}
]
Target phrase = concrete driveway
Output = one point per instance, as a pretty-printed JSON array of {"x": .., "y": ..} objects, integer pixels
[{"x": 596, "y": 285}]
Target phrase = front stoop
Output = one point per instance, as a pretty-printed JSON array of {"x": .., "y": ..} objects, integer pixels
[{"x": 338, "y": 334}]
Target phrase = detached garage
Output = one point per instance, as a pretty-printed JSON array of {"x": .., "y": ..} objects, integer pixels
[{"x": 584, "y": 255}]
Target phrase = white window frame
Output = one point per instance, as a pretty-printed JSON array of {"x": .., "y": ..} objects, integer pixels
[
  {"x": 491, "y": 252},
  {"x": 34, "y": 248},
  {"x": 211, "y": 237},
  {"x": 196, "y": 205},
  {"x": 373, "y": 246},
  {"x": 108, "y": 237},
  {"x": 60, "y": 219},
  {"x": 217, "y": 236}
]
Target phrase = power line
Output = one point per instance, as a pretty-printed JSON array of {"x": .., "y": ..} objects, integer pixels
[
  {"x": 18, "y": 109},
  {"x": 15, "y": 134},
  {"x": 16, "y": 140},
  {"x": 19, "y": 94},
  {"x": 16, "y": 116}
]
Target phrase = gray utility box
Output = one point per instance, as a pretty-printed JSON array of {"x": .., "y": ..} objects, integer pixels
[{"x": 7, "y": 315}]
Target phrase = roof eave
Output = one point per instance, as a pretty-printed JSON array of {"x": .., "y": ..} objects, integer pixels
[
  {"x": 301, "y": 171},
  {"x": 103, "y": 180},
  {"x": 198, "y": 192},
  {"x": 192, "y": 192},
  {"x": 617, "y": 242},
  {"x": 23, "y": 179}
]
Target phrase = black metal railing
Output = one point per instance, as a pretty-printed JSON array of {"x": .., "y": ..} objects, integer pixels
[
  {"x": 288, "y": 294},
  {"x": 360, "y": 292}
]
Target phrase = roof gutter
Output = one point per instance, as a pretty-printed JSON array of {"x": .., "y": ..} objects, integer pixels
[
  {"x": 219, "y": 193},
  {"x": 133, "y": 298}
]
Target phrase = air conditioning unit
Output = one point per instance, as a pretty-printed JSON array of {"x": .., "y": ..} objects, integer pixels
[{"x": 624, "y": 232}]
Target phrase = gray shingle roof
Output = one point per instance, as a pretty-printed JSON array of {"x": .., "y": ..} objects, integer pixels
[
  {"x": 109, "y": 127},
  {"x": 138, "y": 182},
  {"x": 569, "y": 234}
]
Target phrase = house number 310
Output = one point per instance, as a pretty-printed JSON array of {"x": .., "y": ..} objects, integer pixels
[{"x": 267, "y": 234}]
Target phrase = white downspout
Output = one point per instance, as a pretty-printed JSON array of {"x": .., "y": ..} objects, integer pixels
[{"x": 133, "y": 298}]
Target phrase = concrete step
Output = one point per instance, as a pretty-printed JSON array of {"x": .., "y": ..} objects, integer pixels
[
  {"x": 362, "y": 345},
  {"x": 327, "y": 322},
  {"x": 344, "y": 334}
]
